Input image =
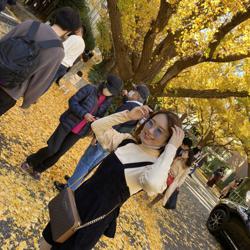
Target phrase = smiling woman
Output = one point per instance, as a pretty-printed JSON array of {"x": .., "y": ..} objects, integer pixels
[
  {"x": 157, "y": 129},
  {"x": 135, "y": 163}
]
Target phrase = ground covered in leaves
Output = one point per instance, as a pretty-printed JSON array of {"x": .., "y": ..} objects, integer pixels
[{"x": 23, "y": 201}]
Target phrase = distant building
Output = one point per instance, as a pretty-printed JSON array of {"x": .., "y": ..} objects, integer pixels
[
  {"x": 239, "y": 163},
  {"x": 95, "y": 6}
]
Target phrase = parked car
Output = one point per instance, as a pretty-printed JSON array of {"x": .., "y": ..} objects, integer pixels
[{"x": 229, "y": 221}]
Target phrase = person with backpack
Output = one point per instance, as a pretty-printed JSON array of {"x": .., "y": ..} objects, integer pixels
[
  {"x": 88, "y": 104},
  {"x": 95, "y": 153},
  {"x": 30, "y": 56},
  {"x": 136, "y": 163}
]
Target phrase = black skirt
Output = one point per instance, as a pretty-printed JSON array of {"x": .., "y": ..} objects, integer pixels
[{"x": 95, "y": 197}]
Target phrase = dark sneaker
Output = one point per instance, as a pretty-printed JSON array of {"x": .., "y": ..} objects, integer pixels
[
  {"x": 36, "y": 175},
  {"x": 25, "y": 167},
  {"x": 66, "y": 177},
  {"x": 29, "y": 170},
  {"x": 59, "y": 186}
]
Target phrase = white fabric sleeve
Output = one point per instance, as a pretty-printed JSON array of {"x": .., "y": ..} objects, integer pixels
[
  {"x": 108, "y": 137},
  {"x": 153, "y": 179}
]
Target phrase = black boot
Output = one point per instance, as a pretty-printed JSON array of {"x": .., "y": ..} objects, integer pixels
[
  {"x": 59, "y": 186},
  {"x": 66, "y": 177}
]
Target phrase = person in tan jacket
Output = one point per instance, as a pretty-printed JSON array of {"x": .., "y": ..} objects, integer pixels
[{"x": 177, "y": 175}]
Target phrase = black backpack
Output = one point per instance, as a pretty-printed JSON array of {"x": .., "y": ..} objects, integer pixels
[{"x": 19, "y": 57}]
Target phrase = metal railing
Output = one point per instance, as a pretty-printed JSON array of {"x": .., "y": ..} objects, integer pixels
[
  {"x": 237, "y": 198},
  {"x": 239, "y": 194}
]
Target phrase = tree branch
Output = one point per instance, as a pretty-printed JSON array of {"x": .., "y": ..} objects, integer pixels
[
  {"x": 175, "y": 69},
  {"x": 229, "y": 58},
  {"x": 184, "y": 63},
  {"x": 167, "y": 53},
  {"x": 120, "y": 51},
  {"x": 166, "y": 10},
  {"x": 162, "y": 53},
  {"x": 210, "y": 119},
  {"x": 226, "y": 28},
  {"x": 207, "y": 93}
]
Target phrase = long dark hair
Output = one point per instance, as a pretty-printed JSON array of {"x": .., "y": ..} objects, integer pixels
[
  {"x": 100, "y": 87},
  {"x": 190, "y": 158},
  {"x": 172, "y": 120}
]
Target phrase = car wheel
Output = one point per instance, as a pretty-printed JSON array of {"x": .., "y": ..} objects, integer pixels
[{"x": 216, "y": 220}]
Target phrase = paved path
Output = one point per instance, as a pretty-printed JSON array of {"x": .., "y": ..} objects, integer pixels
[
  {"x": 180, "y": 229},
  {"x": 202, "y": 193},
  {"x": 187, "y": 228}
]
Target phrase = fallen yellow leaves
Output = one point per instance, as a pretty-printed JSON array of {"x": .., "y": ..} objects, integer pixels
[
  {"x": 23, "y": 201},
  {"x": 22, "y": 246}
]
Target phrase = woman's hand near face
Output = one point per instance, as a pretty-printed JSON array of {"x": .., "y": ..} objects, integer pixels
[
  {"x": 177, "y": 137},
  {"x": 138, "y": 113},
  {"x": 89, "y": 117}
]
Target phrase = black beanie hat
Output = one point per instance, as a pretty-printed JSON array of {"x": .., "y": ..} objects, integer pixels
[{"x": 114, "y": 84}]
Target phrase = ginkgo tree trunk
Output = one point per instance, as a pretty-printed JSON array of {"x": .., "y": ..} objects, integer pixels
[{"x": 175, "y": 35}]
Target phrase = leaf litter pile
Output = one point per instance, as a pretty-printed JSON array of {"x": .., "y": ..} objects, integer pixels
[{"x": 23, "y": 201}]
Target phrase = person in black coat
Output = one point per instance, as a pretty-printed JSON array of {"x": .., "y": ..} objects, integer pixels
[
  {"x": 95, "y": 153},
  {"x": 87, "y": 104}
]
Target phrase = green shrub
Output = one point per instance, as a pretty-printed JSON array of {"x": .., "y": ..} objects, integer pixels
[{"x": 97, "y": 73}]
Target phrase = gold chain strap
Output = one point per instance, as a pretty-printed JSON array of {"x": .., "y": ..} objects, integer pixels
[{"x": 96, "y": 220}]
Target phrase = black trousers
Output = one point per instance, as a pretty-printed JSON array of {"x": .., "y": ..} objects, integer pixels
[
  {"x": 58, "y": 144},
  {"x": 6, "y": 102}
]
